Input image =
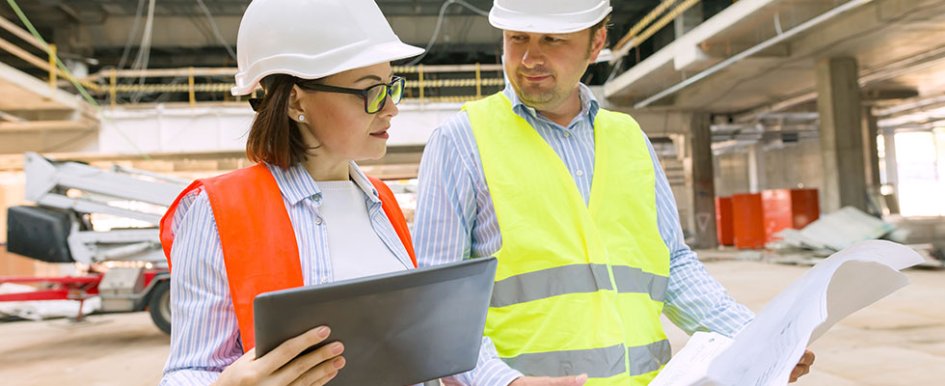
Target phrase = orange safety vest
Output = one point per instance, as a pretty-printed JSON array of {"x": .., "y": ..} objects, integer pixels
[{"x": 247, "y": 204}]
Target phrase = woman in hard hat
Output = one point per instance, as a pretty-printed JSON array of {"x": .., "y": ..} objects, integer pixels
[{"x": 305, "y": 214}]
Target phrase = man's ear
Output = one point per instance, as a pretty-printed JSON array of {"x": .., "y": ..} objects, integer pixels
[{"x": 598, "y": 43}]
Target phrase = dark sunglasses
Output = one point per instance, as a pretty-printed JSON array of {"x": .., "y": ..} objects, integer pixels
[{"x": 375, "y": 97}]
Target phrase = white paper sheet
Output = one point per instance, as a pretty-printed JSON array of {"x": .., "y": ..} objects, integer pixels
[{"x": 768, "y": 348}]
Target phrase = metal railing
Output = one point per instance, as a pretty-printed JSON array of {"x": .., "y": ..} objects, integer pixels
[
  {"x": 194, "y": 85},
  {"x": 50, "y": 64}
]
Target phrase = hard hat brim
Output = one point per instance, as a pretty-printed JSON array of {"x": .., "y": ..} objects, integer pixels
[
  {"x": 343, "y": 60},
  {"x": 511, "y": 20}
]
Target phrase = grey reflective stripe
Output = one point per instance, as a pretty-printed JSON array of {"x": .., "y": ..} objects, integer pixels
[
  {"x": 578, "y": 278},
  {"x": 597, "y": 363},
  {"x": 634, "y": 280},
  {"x": 568, "y": 279},
  {"x": 649, "y": 358}
]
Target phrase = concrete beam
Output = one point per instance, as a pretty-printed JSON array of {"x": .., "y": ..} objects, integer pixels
[
  {"x": 878, "y": 95},
  {"x": 654, "y": 123},
  {"x": 401, "y": 161},
  {"x": 179, "y": 31},
  {"x": 621, "y": 85},
  {"x": 61, "y": 125}
]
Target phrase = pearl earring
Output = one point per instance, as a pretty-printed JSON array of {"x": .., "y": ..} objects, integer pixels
[{"x": 301, "y": 117}]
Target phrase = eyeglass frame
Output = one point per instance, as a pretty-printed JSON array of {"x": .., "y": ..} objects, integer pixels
[{"x": 307, "y": 84}]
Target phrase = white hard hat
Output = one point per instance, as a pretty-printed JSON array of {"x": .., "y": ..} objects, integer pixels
[
  {"x": 312, "y": 39},
  {"x": 548, "y": 16}
]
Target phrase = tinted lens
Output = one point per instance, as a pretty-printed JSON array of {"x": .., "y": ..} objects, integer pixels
[
  {"x": 375, "y": 98},
  {"x": 397, "y": 90}
]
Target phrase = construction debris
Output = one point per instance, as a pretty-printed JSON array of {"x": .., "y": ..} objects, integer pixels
[{"x": 839, "y": 230}]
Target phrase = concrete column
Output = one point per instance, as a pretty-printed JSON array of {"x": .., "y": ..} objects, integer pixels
[
  {"x": 703, "y": 182},
  {"x": 871, "y": 148},
  {"x": 757, "y": 172},
  {"x": 841, "y": 134},
  {"x": 870, "y": 129},
  {"x": 892, "y": 168},
  {"x": 688, "y": 20}
]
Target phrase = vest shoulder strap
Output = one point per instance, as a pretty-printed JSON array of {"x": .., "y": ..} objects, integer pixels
[{"x": 253, "y": 225}]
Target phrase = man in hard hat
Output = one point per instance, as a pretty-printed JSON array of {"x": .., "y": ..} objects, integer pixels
[{"x": 572, "y": 201}]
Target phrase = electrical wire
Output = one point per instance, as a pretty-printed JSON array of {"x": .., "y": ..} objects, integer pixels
[
  {"x": 131, "y": 35},
  {"x": 200, "y": 23},
  {"x": 439, "y": 23},
  {"x": 144, "y": 50},
  {"x": 216, "y": 29}
]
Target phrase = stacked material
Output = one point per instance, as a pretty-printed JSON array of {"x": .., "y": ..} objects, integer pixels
[{"x": 838, "y": 231}]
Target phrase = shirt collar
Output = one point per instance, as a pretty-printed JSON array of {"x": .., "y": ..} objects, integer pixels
[
  {"x": 589, "y": 104},
  {"x": 361, "y": 180},
  {"x": 296, "y": 184}
]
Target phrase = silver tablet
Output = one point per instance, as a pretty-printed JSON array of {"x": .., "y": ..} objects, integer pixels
[{"x": 398, "y": 329}]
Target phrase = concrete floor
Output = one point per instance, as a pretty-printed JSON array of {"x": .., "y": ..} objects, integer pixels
[{"x": 898, "y": 341}]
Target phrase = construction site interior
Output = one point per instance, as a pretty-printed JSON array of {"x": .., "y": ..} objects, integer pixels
[{"x": 787, "y": 130}]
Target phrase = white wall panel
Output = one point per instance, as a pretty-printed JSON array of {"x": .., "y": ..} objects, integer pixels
[{"x": 184, "y": 129}]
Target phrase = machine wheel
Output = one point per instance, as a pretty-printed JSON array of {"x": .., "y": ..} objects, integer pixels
[{"x": 160, "y": 306}]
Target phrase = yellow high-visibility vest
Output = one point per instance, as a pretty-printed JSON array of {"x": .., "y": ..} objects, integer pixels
[{"x": 579, "y": 287}]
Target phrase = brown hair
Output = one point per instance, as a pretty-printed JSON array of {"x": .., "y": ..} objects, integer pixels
[{"x": 274, "y": 138}]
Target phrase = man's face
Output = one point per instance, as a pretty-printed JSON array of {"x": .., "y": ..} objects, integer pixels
[{"x": 544, "y": 69}]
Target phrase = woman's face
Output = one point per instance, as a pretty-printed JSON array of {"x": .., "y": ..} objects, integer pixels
[{"x": 336, "y": 123}]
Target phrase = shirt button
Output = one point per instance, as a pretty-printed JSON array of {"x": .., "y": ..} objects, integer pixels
[
  {"x": 318, "y": 221},
  {"x": 580, "y": 173},
  {"x": 567, "y": 134}
]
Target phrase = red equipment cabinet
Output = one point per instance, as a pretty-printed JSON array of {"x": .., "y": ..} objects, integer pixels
[
  {"x": 748, "y": 221},
  {"x": 723, "y": 219},
  {"x": 788, "y": 208}
]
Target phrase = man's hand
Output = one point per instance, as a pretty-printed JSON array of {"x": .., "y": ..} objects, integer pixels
[
  {"x": 803, "y": 366},
  {"x": 550, "y": 381}
]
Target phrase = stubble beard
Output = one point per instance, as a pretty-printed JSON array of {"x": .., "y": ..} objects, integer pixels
[{"x": 536, "y": 97}]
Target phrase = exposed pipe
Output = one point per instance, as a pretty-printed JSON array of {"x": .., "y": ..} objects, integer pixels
[
  {"x": 846, "y": 7},
  {"x": 662, "y": 22},
  {"x": 645, "y": 21}
]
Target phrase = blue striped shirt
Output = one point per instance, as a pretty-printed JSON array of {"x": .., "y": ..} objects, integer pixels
[
  {"x": 456, "y": 220},
  {"x": 205, "y": 334}
]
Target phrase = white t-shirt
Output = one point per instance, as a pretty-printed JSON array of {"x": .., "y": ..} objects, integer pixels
[{"x": 354, "y": 247}]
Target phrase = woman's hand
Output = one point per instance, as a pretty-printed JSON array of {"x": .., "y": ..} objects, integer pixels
[{"x": 283, "y": 365}]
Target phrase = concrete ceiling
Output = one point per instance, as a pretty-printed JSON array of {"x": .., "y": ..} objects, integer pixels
[
  {"x": 899, "y": 45},
  {"x": 98, "y": 31}
]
